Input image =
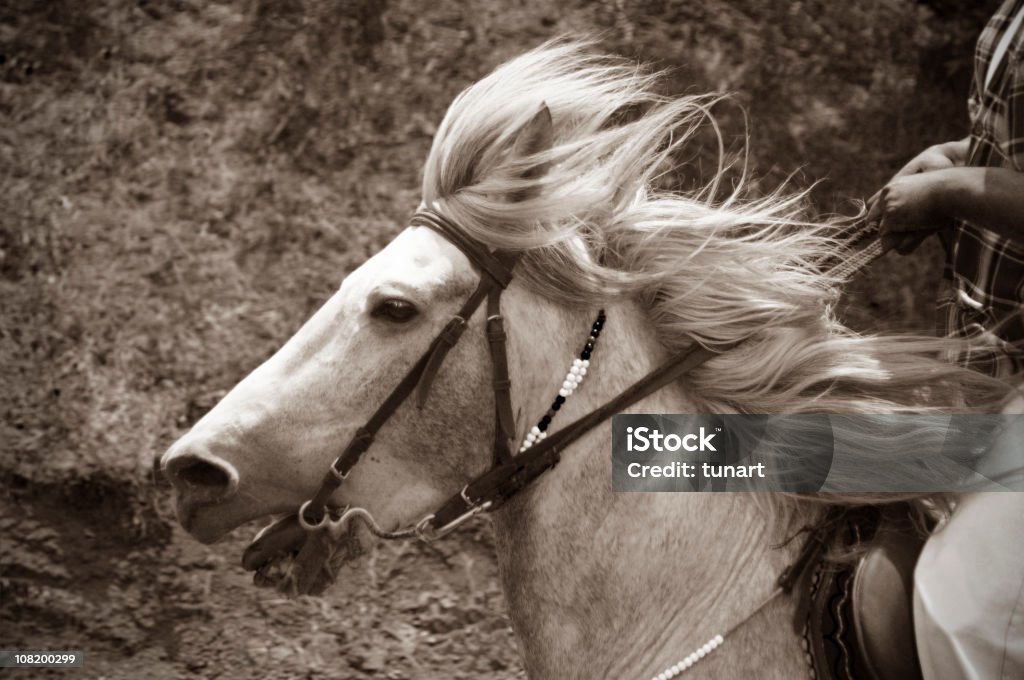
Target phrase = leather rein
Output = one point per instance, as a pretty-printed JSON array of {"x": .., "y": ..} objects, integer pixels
[{"x": 508, "y": 474}]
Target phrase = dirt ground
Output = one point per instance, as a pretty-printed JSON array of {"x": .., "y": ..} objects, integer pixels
[
  {"x": 183, "y": 183},
  {"x": 168, "y": 607}
]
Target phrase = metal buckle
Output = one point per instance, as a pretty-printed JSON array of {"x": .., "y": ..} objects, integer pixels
[
  {"x": 340, "y": 476},
  {"x": 425, "y": 533}
]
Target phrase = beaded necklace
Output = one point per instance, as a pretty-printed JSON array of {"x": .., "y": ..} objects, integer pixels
[{"x": 572, "y": 381}]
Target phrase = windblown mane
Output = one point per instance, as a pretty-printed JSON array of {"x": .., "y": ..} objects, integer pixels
[{"x": 716, "y": 271}]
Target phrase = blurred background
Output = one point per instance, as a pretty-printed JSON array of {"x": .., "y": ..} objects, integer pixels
[{"x": 184, "y": 182}]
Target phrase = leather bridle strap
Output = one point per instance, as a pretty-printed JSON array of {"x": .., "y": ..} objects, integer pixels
[
  {"x": 504, "y": 419},
  {"x": 496, "y": 273},
  {"x": 497, "y": 265},
  {"x": 503, "y": 481}
]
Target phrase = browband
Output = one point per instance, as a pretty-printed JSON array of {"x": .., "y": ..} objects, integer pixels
[{"x": 498, "y": 264}]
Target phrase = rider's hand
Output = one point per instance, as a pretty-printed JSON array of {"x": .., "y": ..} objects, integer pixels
[
  {"x": 933, "y": 158},
  {"x": 908, "y": 209}
]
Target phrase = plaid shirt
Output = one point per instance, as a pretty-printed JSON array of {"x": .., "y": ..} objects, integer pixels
[{"x": 984, "y": 300}]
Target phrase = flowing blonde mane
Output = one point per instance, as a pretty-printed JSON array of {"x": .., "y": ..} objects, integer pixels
[{"x": 717, "y": 271}]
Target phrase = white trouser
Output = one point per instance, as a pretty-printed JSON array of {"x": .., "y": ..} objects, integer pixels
[{"x": 969, "y": 592}]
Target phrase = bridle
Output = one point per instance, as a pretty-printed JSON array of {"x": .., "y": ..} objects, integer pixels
[{"x": 508, "y": 474}]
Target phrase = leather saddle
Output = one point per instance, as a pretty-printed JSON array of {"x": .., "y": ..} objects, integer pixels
[{"x": 858, "y": 619}]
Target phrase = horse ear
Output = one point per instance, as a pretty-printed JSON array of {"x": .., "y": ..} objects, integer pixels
[{"x": 536, "y": 135}]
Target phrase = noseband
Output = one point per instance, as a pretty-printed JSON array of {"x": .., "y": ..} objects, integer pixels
[{"x": 508, "y": 474}]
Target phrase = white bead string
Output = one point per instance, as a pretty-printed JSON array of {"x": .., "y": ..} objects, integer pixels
[
  {"x": 695, "y": 656},
  {"x": 714, "y": 643},
  {"x": 570, "y": 384}
]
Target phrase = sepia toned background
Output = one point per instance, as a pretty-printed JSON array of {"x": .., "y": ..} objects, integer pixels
[{"x": 184, "y": 182}]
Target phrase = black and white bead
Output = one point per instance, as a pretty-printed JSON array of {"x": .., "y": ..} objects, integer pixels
[{"x": 572, "y": 381}]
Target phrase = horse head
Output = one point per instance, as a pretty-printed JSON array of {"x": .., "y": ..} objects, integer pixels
[{"x": 262, "y": 450}]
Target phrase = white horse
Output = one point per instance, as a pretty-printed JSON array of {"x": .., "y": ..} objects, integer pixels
[{"x": 556, "y": 157}]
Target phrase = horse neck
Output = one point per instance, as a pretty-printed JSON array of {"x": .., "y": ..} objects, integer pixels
[{"x": 621, "y": 585}]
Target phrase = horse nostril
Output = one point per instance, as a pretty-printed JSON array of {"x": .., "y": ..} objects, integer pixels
[
  {"x": 203, "y": 478},
  {"x": 201, "y": 473}
]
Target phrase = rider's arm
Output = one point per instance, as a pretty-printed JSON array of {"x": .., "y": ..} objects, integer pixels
[
  {"x": 988, "y": 197},
  {"x": 955, "y": 151}
]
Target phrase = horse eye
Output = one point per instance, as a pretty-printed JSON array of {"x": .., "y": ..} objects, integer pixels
[{"x": 394, "y": 309}]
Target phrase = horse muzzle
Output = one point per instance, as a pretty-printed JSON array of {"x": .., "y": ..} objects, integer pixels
[{"x": 203, "y": 484}]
